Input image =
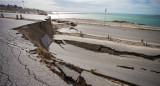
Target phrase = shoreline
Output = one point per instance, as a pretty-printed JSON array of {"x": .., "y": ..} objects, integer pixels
[
  {"x": 141, "y": 19},
  {"x": 96, "y": 29},
  {"x": 120, "y": 24}
]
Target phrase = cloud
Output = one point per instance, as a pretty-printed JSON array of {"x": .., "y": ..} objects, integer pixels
[
  {"x": 38, "y": 4},
  {"x": 120, "y": 6},
  {"x": 123, "y": 6},
  {"x": 155, "y": 2},
  {"x": 113, "y": 3},
  {"x": 17, "y": 2}
]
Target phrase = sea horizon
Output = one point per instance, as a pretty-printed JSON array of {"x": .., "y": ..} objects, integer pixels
[
  {"x": 74, "y": 12},
  {"x": 146, "y": 19}
]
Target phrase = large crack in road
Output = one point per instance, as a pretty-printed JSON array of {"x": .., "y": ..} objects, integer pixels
[
  {"x": 19, "y": 67},
  {"x": 104, "y": 49},
  {"x": 67, "y": 67},
  {"x": 47, "y": 69}
]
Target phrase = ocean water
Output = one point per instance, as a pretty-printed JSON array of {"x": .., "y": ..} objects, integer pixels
[{"x": 146, "y": 19}]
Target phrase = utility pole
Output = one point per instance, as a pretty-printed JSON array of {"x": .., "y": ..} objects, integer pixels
[
  {"x": 58, "y": 15},
  {"x": 105, "y": 15},
  {"x": 23, "y": 4}
]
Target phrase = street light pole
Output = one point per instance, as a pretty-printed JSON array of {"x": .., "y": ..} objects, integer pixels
[
  {"x": 23, "y": 4},
  {"x": 105, "y": 15}
]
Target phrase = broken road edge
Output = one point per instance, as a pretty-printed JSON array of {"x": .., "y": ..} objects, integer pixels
[{"x": 35, "y": 31}]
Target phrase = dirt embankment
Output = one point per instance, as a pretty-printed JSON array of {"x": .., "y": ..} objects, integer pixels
[{"x": 34, "y": 33}]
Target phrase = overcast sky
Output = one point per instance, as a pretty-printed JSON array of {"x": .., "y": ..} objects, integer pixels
[{"x": 113, "y": 6}]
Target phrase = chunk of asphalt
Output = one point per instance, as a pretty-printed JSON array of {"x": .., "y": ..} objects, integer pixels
[
  {"x": 69, "y": 72},
  {"x": 125, "y": 67},
  {"x": 94, "y": 80},
  {"x": 56, "y": 69},
  {"x": 46, "y": 41},
  {"x": 32, "y": 51}
]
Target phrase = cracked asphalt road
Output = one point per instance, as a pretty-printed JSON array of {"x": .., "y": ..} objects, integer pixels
[
  {"x": 106, "y": 64},
  {"x": 17, "y": 66}
]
